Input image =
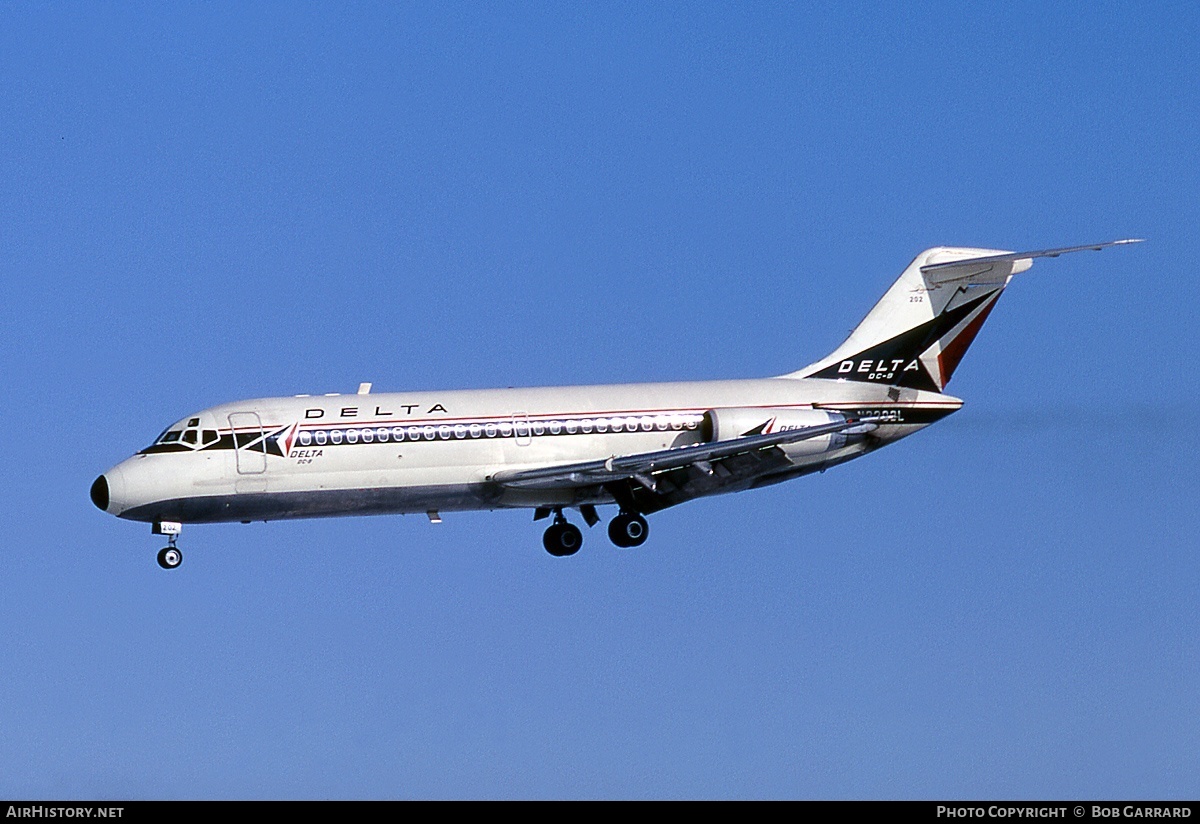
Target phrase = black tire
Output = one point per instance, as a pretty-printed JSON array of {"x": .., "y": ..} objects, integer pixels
[
  {"x": 561, "y": 540},
  {"x": 628, "y": 529},
  {"x": 169, "y": 557},
  {"x": 616, "y": 531}
]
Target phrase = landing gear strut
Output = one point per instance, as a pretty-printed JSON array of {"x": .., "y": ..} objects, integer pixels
[
  {"x": 562, "y": 538},
  {"x": 169, "y": 556},
  {"x": 628, "y": 529}
]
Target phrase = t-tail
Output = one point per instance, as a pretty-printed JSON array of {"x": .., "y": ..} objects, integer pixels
[{"x": 919, "y": 331}]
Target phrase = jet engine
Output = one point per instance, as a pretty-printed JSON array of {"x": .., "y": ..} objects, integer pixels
[{"x": 737, "y": 422}]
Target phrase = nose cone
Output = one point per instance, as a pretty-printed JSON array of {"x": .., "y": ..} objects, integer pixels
[
  {"x": 99, "y": 493},
  {"x": 108, "y": 491}
]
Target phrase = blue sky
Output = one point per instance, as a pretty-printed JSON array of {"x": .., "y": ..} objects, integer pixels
[{"x": 209, "y": 202}]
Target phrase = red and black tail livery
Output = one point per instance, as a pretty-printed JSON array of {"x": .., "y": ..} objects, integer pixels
[{"x": 923, "y": 357}]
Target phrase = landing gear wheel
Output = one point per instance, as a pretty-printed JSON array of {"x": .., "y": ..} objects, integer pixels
[
  {"x": 169, "y": 557},
  {"x": 628, "y": 529},
  {"x": 562, "y": 539}
]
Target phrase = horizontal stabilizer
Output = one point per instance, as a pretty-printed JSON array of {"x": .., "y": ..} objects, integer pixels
[{"x": 955, "y": 269}]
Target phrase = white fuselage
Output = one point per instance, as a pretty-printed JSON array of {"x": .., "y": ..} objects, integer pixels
[{"x": 313, "y": 456}]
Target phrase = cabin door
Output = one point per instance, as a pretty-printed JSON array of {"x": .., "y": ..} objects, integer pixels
[{"x": 249, "y": 443}]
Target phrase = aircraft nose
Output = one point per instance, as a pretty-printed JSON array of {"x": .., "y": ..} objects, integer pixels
[
  {"x": 99, "y": 493},
  {"x": 108, "y": 491}
]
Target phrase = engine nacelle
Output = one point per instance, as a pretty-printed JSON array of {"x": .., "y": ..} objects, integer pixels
[{"x": 737, "y": 422}]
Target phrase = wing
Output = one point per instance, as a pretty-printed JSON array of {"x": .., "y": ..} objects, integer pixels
[{"x": 643, "y": 468}]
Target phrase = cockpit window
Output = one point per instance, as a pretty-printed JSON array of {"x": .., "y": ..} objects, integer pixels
[
  {"x": 210, "y": 436},
  {"x": 169, "y": 436},
  {"x": 189, "y": 436},
  {"x": 193, "y": 422}
]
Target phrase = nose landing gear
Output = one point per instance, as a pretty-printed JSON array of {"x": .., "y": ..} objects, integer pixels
[{"x": 169, "y": 556}]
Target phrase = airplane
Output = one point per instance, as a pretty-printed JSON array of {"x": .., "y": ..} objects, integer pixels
[{"x": 641, "y": 447}]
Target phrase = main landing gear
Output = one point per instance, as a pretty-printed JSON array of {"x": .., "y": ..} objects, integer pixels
[
  {"x": 562, "y": 538},
  {"x": 628, "y": 529},
  {"x": 169, "y": 556}
]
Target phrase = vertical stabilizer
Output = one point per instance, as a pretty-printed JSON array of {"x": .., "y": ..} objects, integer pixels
[{"x": 919, "y": 331}]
